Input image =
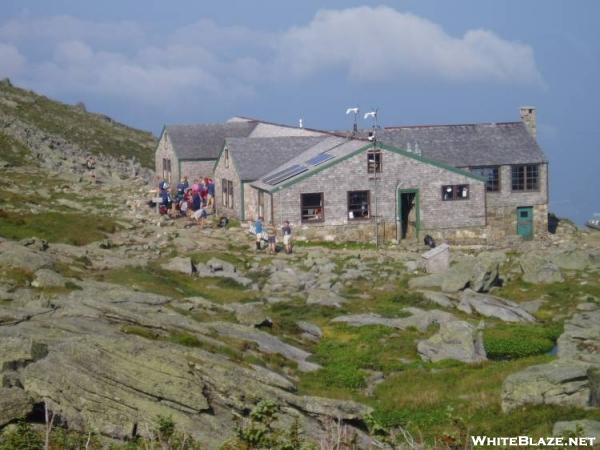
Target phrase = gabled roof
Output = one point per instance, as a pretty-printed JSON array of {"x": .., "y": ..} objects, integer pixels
[
  {"x": 467, "y": 145},
  {"x": 337, "y": 147},
  {"x": 205, "y": 141},
  {"x": 341, "y": 149},
  {"x": 255, "y": 157}
]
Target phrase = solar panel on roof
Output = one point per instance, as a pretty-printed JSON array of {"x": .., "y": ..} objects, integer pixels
[
  {"x": 283, "y": 175},
  {"x": 319, "y": 159}
]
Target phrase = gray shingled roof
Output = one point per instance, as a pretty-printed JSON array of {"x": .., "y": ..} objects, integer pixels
[
  {"x": 338, "y": 147},
  {"x": 205, "y": 141},
  {"x": 468, "y": 145},
  {"x": 255, "y": 157}
]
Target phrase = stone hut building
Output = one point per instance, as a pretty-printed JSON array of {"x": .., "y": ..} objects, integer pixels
[
  {"x": 244, "y": 160},
  {"x": 192, "y": 150},
  {"x": 356, "y": 188},
  {"x": 466, "y": 182}
]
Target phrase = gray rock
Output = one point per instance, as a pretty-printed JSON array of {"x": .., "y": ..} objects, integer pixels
[
  {"x": 583, "y": 428},
  {"x": 532, "y": 306},
  {"x": 266, "y": 342},
  {"x": 455, "y": 340},
  {"x": 324, "y": 297},
  {"x": 21, "y": 257},
  {"x": 491, "y": 306},
  {"x": 286, "y": 280},
  {"x": 426, "y": 281},
  {"x": 581, "y": 337},
  {"x": 252, "y": 314},
  {"x": 218, "y": 265},
  {"x": 180, "y": 264},
  {"x": 14, "y": 404},
  {"x": 539, "y": 270},
  {"x": 459, "y": 275},
  {"x": 556, "y": 383},
  {"x": 438, "y": 298},
  {"x": 593, "y": 374},
  {"x": 34, "y": 243},
  {"x": 418, "y": 318},
  {"x": 310, "y": 330},
  {"x": 571, "y": 259},
  {"x": 587, "y": 306},
  {"x": 46, "y": 278}
]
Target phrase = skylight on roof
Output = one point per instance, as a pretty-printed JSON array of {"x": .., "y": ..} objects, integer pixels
[
  {"x": 319, "y": 159},
  {"x": 284, "y": 174}
]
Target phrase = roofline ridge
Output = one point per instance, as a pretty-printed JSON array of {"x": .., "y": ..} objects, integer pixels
[{"x": 396, "y": 127}]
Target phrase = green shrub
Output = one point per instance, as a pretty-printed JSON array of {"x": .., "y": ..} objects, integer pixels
[
  {"x": 22, "y": 437},
  {"x": 510, "y": 341}
]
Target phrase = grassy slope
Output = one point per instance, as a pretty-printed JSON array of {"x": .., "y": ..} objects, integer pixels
[{"x": 91, "y": 132}]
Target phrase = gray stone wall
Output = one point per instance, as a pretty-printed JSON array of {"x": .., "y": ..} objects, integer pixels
[
  {"x": 502, "y": 206},
  {"x": 229, "y": 173},
  {"x": 165, "y": 150},
  {"x": 399, "y": 172},
  {"x": 197, "y": 169}
]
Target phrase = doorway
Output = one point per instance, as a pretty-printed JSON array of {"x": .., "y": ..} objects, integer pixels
[
  {"x": 408, "y": 214},
  {"x": 525, "y": 222}
]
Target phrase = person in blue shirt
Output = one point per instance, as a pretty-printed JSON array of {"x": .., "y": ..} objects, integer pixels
[
  {"x": 211, "y": 193},
  {"x": 258, "y": 229}
]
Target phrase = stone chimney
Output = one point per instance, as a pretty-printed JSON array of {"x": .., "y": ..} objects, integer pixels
[{"x": 528, "y": 118}]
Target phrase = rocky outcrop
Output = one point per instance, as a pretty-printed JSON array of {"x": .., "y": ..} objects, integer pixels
[
  {"x": 455, "y": 340},
  {"x": 583, "y": 428},
  {"x": 417, "y": 318},
  {"x": 14, "y": 404},
  {"x": 180, "y": 264},
  {"x": 491, "y": 306},
  {"x": 581, "y": 338},
  {"x": 555, "y": 383},
  {"x": 478, "y": 273},
  {"x": 540, "y": 269}
]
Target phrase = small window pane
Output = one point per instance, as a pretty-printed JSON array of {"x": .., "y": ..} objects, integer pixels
[
  {"x": 374, "y": 161},
  {"x": 312, "y": 207},
  {"x": 358, "y": 205},
  {"x": 455, "y": 192}
]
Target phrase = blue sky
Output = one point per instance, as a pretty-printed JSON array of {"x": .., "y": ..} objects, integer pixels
[{"x": 152, "y": 62}]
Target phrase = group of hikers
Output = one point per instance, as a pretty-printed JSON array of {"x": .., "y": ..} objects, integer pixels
[
  {"x": 193, "y": 201},
  {"x": 198, "y": 200},
  {"x": 268, "y": 233}
]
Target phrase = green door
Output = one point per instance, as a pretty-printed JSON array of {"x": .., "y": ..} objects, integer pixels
[{"x": 525, "y": 222}]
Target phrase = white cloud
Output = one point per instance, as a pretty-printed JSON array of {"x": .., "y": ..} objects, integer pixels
[
  {"x": 381, "y": 43},
  {"x": 211, "y": 63},
  {"x": 11, "y": 61}
]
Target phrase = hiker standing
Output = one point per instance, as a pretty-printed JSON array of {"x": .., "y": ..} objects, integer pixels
[
  {"x": 287, "y": 236},
  {"x": 271, "y": 238},
  {"x": 258, "y": 229}
]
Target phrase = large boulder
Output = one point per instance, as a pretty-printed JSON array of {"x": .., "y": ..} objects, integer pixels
[
  {"x": 23, "y": 257},
  {"x": 455, "y": 340},
  {"x": 556, "y": 383},
  {"x": 324, "y": 297},
  {"x": 584, "y": 428},
  {"x": 180, "y": 264},
  {"x": 491, "y": 306},
  {"x": 15, "y": 404},
  {"x": 46, "y": 278},
  {"x": 571, "y": 259},
  {"x": 538, "y": 269},
  {"x": 581, "y": 337}
]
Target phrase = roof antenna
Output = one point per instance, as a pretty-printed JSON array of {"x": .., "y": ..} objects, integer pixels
[
  {"x": 355, "y": 112},
  {"x": 300, "y": 123},
  {"x": 373, "y": 115}
]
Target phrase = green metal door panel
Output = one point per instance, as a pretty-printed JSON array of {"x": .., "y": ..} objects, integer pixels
[{"x": 525, "y": 222}]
